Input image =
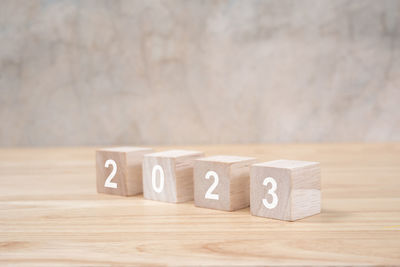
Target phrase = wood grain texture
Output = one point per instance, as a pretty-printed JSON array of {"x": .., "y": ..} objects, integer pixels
[
  {"x": 232, "y": 187},
  {"x": 177, "y": 168},
  {"x": 51, "y": 214},
  {"x": 297, "y": 191}
]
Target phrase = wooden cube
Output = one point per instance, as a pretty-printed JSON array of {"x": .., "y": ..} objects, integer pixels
[
  {"x": 285, "y": 189},
  {"x": 222, "y": 182},
  {"x": 168, "y": 175},
  {"x": 119, "y": 170}
]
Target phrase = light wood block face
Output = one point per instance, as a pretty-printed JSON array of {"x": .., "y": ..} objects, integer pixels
[
  {"x": 222, "y": 182},
  {"x": 285, "y": 189},
  {"x": 119, "y": 170},
  {"x": 168, "y": 175}
]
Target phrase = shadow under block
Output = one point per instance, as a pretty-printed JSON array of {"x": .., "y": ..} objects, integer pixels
[
  {"x": 168, "y": 175},
  {"x": 119, "y": 170},
  {"x": 285, "y": 189},
  {"x": 222, "y": 182}
]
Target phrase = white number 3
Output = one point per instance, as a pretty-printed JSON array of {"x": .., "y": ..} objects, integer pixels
[
  {"x": 271, "y": 192},
  {"x": 108, "y": 182}
]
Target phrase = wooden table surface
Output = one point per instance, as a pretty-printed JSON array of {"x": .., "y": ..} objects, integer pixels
[{"x": 50, "y": 214}]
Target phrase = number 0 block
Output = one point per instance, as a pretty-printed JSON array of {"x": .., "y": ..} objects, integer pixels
[
  {"x": 168, "y": 175},
  {"x": 285, "y": 189},
  {"x": 119, "y": 170},
  {"x": 222, "y": 182}
]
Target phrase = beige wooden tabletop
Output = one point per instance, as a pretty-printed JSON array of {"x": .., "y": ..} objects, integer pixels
[{"x": 50, "y": 214}]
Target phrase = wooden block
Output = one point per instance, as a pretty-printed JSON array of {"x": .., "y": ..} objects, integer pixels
[
  {"x": 168, "y": 175},
  {"x": 222, "y": 182},
  {"x": 119, "y": 170},
  {"x": 285, "y": 189}
]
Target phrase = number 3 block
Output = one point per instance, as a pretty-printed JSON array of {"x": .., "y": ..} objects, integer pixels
[
  {"x": 285, "y": 189},
  {"x": 168, "y": 175},
  {"x": 119, "y": 170},
  {"x": 222, "y": 182}
]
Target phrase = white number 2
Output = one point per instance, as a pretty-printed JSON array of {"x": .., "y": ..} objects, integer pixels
[
  {"x": 271, "y": 192},
  {"x": 108, "y": 182},
  {"x": 209, "y": 193},
  {"x": 156, "y": 188}
]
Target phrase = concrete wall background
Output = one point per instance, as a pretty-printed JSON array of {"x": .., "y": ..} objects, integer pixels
[{"x": 192, "y": 72}]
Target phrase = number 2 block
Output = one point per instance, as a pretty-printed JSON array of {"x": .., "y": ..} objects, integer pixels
[
  {"x": 168, "y": 175},
  {"x": 222, "y": 182},
  {"x": 119, "y": 170},
  {"x": 285, "y": 189}
]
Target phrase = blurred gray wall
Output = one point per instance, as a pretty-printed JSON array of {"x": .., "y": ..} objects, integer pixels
[{"x": 192, "y": 72}]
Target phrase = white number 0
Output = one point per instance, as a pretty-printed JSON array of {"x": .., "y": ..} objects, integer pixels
[
  {"x": 209, "y": 193},
  {"x": 271, "y": 192},
  {"x": 156, "y": 188},
  {"x": 108, "y": 182}
]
